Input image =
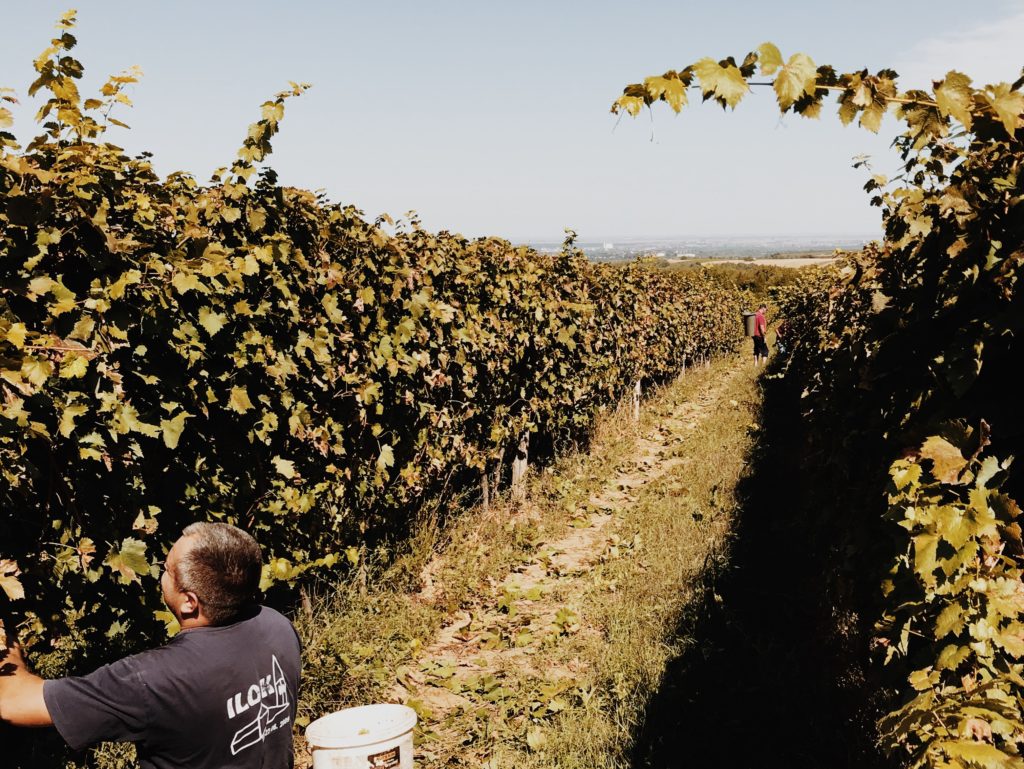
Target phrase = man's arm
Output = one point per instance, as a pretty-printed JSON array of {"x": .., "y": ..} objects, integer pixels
[{"x": 21, "y": 692}]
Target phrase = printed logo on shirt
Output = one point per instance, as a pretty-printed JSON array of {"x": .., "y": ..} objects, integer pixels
[{"x": 269, "y": 698}]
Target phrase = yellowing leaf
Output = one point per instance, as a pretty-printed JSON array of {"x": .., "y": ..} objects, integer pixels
[
  {"x": 126, "y": 420},
  {"x": 273, "y": 111},
  {"x": 950, "y": 620},
  {"x": 116, "y": 290},
  {"x": 68, "y": 417},
  {"x": 64, "y": 299},
  {"x": 257, "y": 219},
  {"x": 954, "y": 97},
  {"x": 39, "y": 286},
  {"x": 671, "y": 89},
  {"x": 1012, "y": 642},
  {"x": 973, "y": 753},
  {"x": 770, "y": 58},
  {"x": 211, "y": 320},
  {"x": 173, "y": 428},
  {"x": 184, "y": 282},
  {"x": 171, "y": 626},
  {"x": 83, "y": 329},
  {"x": 630, "y": 104},
  {"x": 386, "y": 458},
  {"x": 925, "y": 546},
  {"x": 1007, "y": 104},
  {"x": 284, "y": 467},
  {"x": 947, "y": 460},
  {"x": 871, "y": 117},
  {"x": 16, "y": 335},
  {"x": 74, "y": 366},
  {"x": 726, "y": 83},
  {"x": 9, "y": 582},
  {"x": 798, "y": 77},
  {"x": 36, "y": 370},
  {"x": 239, "y": 400},
  {"x": 535, "y": 738}
]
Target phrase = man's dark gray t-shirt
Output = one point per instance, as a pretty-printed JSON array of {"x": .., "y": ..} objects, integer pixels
[{"x": 212, "y": 698}]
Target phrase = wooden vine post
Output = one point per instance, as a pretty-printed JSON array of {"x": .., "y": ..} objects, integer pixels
[
  {"x": 519, "y": 465},
  {"x": 635, "y": 401},
  {"x": 490, "y": 480}
]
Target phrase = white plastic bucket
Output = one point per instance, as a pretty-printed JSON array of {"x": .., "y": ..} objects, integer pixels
[{"x": 367, "y": 737}]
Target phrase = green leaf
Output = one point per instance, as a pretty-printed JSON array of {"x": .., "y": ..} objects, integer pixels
[{"x": 129, "y": 561}]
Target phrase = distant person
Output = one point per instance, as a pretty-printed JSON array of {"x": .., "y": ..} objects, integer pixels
[
  {"x": 781, "y": 342},
  {"x": 220, "y": 695},
  {"x": 760, "y": 332}
]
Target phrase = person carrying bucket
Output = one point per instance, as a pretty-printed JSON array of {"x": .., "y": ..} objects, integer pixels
[
  {"x": 221, "y": 693},
  {"x": 760, "y": 334}
]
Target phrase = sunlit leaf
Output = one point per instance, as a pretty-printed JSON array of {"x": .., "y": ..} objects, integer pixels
[{"x": 725, "y": 82}]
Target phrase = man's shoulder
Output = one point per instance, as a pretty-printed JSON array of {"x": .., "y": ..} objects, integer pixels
[{"x": 271, "y": 618}]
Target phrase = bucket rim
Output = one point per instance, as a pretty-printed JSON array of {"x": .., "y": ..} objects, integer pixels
[{"x": 400, "y": 720}]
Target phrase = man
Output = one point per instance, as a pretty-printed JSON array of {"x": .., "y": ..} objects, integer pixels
[
  {"x": 760, "y": 332},
  {"x": 221, "y": 694}
]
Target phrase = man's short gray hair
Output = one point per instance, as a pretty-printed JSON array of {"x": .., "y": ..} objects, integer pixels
[{"x": 222, "y": 567}]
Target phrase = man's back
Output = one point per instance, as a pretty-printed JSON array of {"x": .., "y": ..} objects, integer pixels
[{"x": 212, "y": 698}]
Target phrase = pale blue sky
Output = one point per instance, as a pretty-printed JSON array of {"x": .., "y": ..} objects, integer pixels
[{"x": 492, "y": 118}]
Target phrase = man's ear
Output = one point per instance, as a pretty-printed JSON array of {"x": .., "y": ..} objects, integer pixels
[{"x": 189, "y": 604}]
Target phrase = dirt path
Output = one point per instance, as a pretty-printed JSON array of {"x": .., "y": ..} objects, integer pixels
[{"x": 472, "y": 675}]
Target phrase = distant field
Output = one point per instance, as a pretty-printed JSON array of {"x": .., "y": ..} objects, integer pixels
[{"x": 803, "y": 261}]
